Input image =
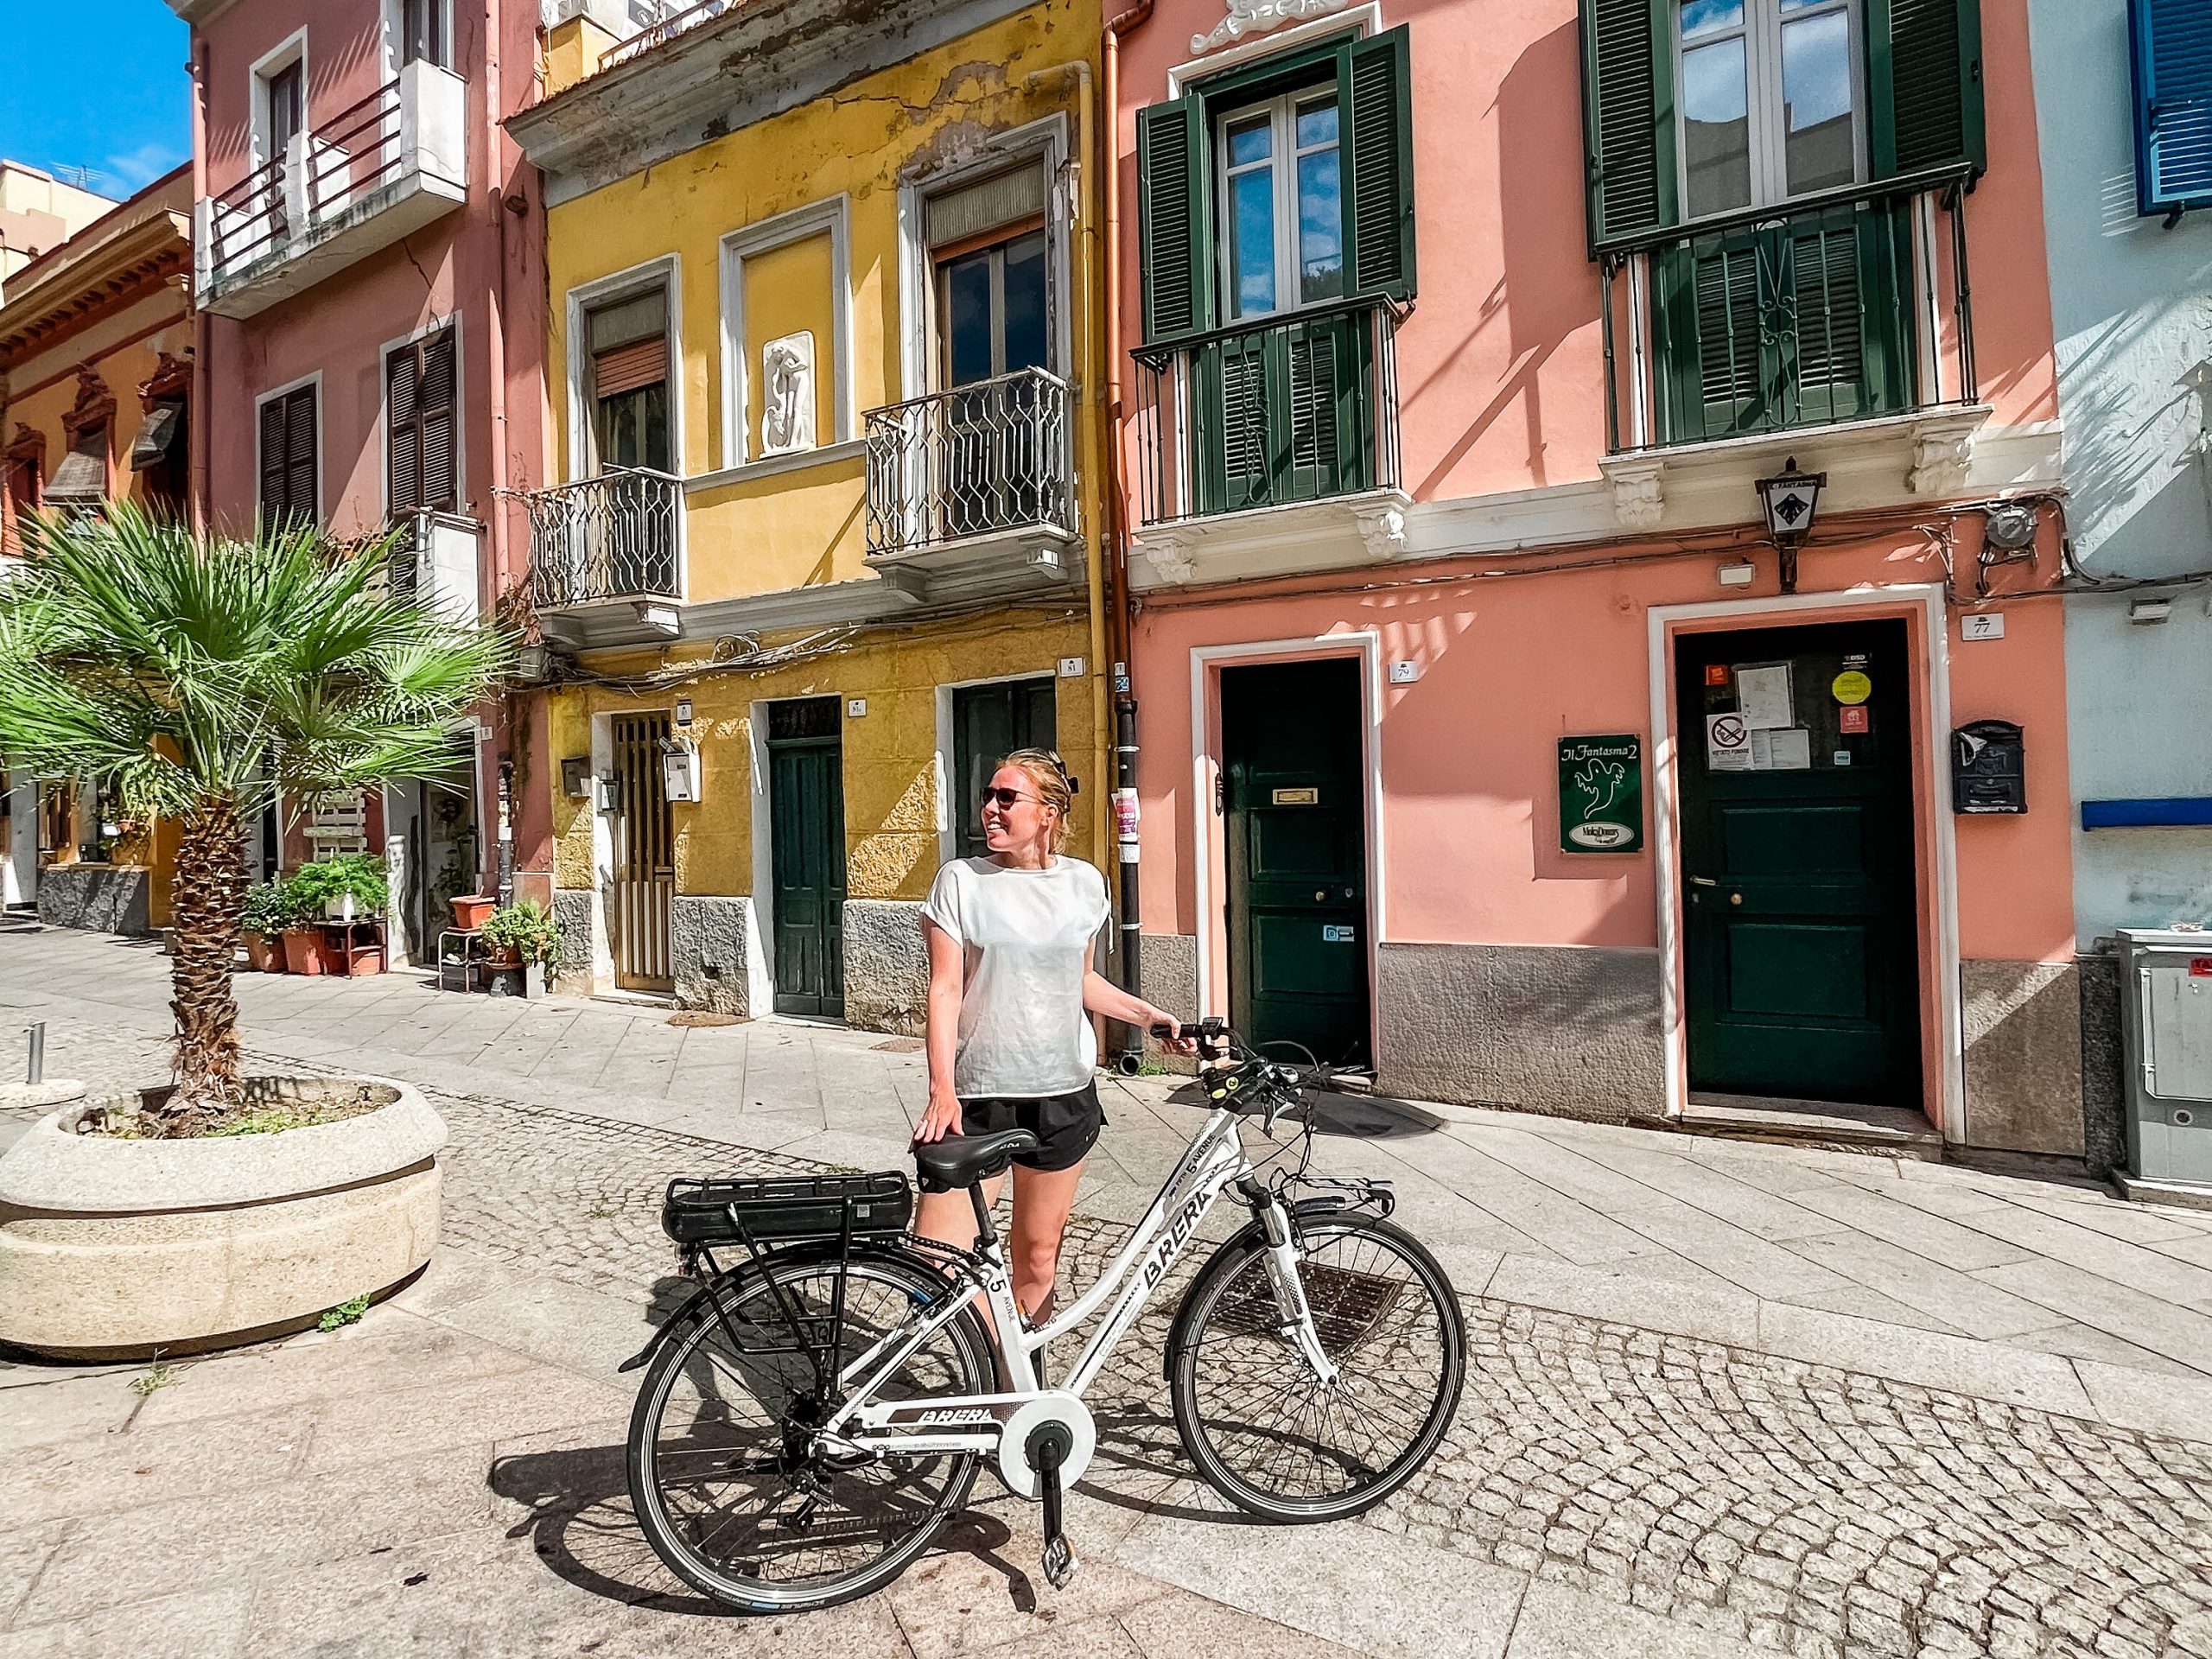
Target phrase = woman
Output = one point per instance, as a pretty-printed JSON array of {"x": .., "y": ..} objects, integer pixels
[{"x": 1010, "y": 937}]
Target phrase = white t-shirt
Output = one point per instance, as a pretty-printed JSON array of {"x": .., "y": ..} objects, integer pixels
[{"x": 1028, "y": 935}]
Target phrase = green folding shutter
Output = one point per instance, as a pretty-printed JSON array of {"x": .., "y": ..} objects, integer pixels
[
  {"x": 1174, "y": 241},
  {"x": 1628, "y": 111},
  {"x": 1923, "y": 80},
  {"x": 1378, "y": 177}
]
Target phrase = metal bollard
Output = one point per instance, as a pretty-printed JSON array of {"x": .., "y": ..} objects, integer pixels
[{"x": 38, "y": 1053}]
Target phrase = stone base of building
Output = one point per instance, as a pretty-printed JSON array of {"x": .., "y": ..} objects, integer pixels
[
  {"x": 100, "y": 898},
  {"x": 886, "y": 967},
  {"x": 576, "y": 909},
  {"x": 1566, "y": 1030},
  {"x": 712, "y": 944},
  {"x": 2023, "y": 1042}
]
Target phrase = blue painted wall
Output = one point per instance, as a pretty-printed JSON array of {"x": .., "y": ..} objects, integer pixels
[{"x": 2131, "y": 310}]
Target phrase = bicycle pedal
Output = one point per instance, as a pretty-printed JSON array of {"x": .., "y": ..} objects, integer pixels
[{"x": 1060, "y": 1562}]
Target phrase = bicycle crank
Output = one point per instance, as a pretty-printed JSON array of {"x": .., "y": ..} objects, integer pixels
[{"x": 1044, "y": 1449}]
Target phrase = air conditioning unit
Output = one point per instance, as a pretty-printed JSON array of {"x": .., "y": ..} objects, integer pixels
[
  {"x": 438, "y": 563},
  {"x": 2166, "y": 1013}
]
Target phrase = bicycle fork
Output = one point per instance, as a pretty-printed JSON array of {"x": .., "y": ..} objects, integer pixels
[{"x": 1281, "y": 1258}]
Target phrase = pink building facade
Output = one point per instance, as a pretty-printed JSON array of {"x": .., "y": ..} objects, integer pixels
[
  {"x": 370, "y": 272},
  {"x": 1488, "y": 734}
]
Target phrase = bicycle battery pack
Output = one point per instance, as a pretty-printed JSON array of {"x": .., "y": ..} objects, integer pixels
[{"x": 777, "y": 1209}]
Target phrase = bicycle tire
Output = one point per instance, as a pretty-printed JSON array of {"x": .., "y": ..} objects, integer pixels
[
  {"x": 964, "y": 1366},
  {"x": 1225, "y": 1321}
]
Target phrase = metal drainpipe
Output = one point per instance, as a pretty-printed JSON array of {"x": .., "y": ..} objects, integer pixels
[
  {"x": 1126, "y": 841},
  {"x": 495, "y": 340},
  {"x": 200, "y": 456}
]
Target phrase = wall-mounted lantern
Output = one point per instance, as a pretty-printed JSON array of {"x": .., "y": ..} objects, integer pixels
[{"x": 1790, "y": 499}]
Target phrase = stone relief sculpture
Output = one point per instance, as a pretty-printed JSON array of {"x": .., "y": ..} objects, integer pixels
[
  {"x": 787, "y": 394},
  {"x": 1255, "y": 17}
]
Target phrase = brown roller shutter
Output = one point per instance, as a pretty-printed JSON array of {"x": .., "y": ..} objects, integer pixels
[{"x": 628, "y": 367}]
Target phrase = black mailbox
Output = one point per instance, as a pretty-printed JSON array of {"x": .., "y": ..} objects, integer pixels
[{"x": 1988, "y": 768}]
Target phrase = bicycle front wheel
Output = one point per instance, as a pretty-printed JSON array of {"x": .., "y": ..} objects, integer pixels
[
  {"x": 1255, "y": 1416},
  {"x": 723, "y": 1476}
]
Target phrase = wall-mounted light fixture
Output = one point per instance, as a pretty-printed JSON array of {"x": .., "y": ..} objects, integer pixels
[{"x": 1790, "y": 500}]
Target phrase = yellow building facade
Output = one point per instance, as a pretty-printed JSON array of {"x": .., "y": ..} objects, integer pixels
[
  {"x": 96, "y": 359},
  {"x": 827, "y": 385}
]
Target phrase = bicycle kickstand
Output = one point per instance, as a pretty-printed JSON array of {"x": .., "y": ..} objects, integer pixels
[{"x": 1047, "y": 1450}]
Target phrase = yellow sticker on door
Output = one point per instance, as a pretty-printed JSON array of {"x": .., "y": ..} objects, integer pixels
[{"x": 1852, "y": 687}]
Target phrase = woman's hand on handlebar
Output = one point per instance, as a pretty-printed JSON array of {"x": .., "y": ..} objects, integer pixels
[
  {"x": 1169, "y": 1032},
  {"x": 941, "y": 1118}
]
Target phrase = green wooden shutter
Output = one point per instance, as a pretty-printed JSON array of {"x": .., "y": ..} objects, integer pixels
[
  {"x": 1173, "y": 238},
  {"x": 1628, "y": 111},
  {"x": 1924, "y": 80},
  {"x": 1378, "y": 177}
]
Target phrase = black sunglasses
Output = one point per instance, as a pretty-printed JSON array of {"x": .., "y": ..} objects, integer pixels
[{"x": 1006, "y": 797}]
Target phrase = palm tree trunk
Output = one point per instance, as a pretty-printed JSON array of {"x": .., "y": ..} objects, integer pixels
[{"x": 209, "y": 891}]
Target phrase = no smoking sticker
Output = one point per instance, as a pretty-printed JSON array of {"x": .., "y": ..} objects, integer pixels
[{"x": 1727, "y": 743}]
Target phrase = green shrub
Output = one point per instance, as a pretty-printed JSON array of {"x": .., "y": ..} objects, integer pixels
[
  {"x": 269, "y": 909},
  {"x": 527, "y": 928},
  {"x": 358, "y": 873}
]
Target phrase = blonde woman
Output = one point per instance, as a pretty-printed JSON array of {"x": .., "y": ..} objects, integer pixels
[{"x": 1010, "y": 939}]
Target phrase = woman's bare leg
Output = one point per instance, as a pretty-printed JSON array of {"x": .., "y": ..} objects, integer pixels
[
  {"x": 1042, "y": 1198},
  {"x": 950, "y": 1217}
]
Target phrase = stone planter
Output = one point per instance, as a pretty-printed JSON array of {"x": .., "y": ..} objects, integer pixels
[{"x": 110, "y": 1248}]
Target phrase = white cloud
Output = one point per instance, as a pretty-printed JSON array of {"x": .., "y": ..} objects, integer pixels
[{"x": 137, "y": 168}]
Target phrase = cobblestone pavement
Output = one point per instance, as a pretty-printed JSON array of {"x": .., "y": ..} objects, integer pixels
[
  {"x": 1800, "y": 1507},
  {"x": 1795, "y": 1507}
]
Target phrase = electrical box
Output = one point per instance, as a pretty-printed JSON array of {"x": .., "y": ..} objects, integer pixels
[
  {"x": 576, "y": 776},
  {"x": 679, "y": 769},
  {"x": 2166, "y": 1015},
  {"x": 1988, "y": 768}
]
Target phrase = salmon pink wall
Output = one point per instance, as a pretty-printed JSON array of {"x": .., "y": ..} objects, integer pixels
[
  {"x": 1500, "y": 368},
  {"x": 1510, "y": 665}
]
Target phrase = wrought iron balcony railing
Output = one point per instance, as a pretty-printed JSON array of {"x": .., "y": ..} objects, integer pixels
[
  {"x": 1770, "y": 320},
  {"x": 616, "y": 537},
  {"x": 1269, "y": 413},
  {"x": 976, "y": 461}
]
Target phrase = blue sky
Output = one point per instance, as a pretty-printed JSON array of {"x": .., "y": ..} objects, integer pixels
[{"x": 100, "y": 85}]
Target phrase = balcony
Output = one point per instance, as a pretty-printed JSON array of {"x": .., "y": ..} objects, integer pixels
[
  {"x": 1732, "y": 341},
  {"x": 608, "y": 550},
  {"x": 371, "y": 174},
  {"x": 970, "y": 491},
  {"x": 1262, "y": 433}
]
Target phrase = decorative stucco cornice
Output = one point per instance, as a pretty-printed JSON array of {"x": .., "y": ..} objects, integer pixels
[
  {"x": 1257, "y": 16},
  {"x": 751, "y": 63}
]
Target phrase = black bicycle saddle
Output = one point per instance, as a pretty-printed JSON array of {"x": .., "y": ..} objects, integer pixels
[{"x": 961, "y": 1161}]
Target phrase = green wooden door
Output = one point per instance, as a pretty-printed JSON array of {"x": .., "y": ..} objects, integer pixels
[
  {"x": 1801, "y": 913},
  {"x": 988, "y": 723},
  {"x": 1297, "y": 856},
  {"x": 806, "y": 809}
]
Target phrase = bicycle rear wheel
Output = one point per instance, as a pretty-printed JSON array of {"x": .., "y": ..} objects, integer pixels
[
  {"x": 723, "y": 1476},
  {"x": 1255, "y": 1418}
]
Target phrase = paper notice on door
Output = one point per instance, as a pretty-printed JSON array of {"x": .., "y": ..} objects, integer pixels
[
  {"x": 1763, "y": 697},
  {"x": 1727, "y": 744},
  {"x": 1790, "y": 749}
]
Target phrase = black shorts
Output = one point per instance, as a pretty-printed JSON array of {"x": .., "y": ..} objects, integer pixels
[{"x": 1067, "y": 1126}]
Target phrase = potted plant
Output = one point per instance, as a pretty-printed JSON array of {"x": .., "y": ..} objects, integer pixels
[
  {"x": 524, "y": 935},
  {"x": 472, "y": 910},
  {"x": 204, "y": 677},
  {"x": 269, "y": 908},
  {"x": 344, "y": 889}
]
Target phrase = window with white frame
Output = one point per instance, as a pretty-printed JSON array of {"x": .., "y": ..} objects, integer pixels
[
  {"x": 1770, "y": 103},
  {"x": 1282, "y": 203}
]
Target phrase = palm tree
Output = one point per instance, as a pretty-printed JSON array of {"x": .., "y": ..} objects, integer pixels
[{"x": 200, "y": 676}]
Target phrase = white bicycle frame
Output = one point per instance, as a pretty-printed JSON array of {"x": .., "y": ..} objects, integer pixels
[{"x": 1215, "y": 1161}]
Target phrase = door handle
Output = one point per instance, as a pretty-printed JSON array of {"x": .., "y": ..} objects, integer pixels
[{"x": 1703, "y": 881}]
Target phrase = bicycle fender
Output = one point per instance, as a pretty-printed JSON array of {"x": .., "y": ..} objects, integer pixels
[
  {"x": 699, "y": 1304},
  {"x": 1252, "y": 1235}
]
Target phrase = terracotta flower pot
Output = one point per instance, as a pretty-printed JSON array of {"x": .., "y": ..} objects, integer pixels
[
  {"x": 303, "y": 950},
  {"x": 265, "y": 953},
  {"x": 471, "y": 910},
  {"x": 502, "y": 961}
]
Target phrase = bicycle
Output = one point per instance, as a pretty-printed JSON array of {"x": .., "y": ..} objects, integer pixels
[{"x": 809, "y": 1418}]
